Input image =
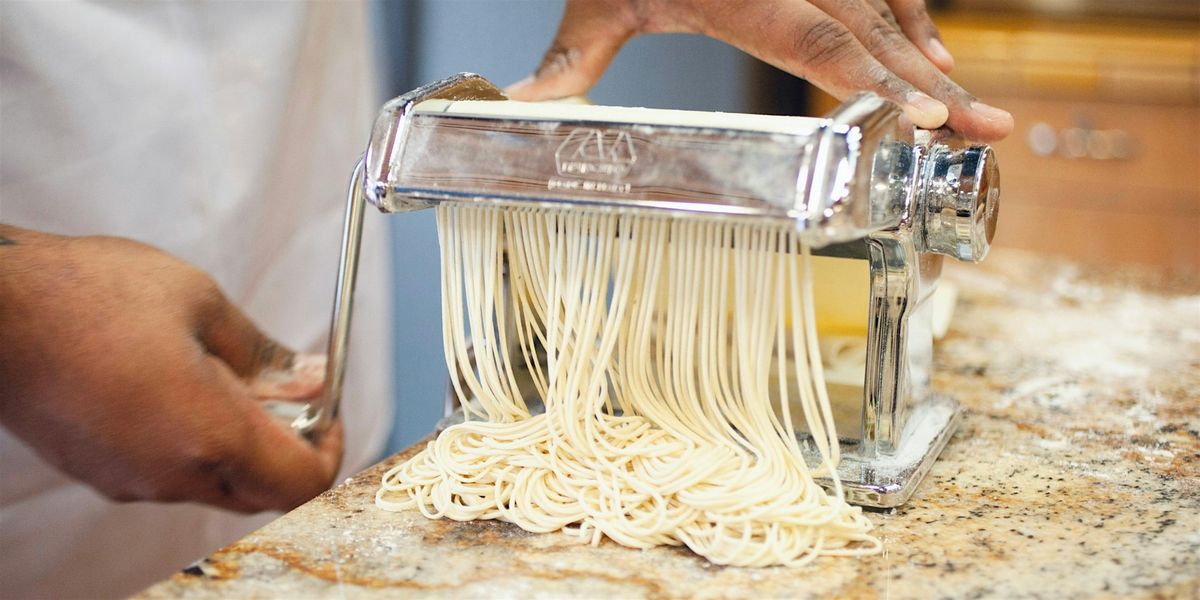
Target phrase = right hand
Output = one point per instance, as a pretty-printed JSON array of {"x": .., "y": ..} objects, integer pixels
[
  {"x": 890, "y": 47},
  {"x": 128, "y": 369}
]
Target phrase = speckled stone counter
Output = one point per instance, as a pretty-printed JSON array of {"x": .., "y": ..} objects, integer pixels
[{"x": 1075, "y": 473}]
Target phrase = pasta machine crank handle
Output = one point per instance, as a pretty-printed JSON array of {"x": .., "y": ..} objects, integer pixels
[{"x": 319, "y": 416}]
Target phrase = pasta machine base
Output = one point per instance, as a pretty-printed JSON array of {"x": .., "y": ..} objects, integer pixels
[
  {"x": 867, "y": 477},
  {"x": 889, "y": 480}
]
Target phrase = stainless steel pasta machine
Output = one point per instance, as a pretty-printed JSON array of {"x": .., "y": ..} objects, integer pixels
[{"x": 858, "y": 185}]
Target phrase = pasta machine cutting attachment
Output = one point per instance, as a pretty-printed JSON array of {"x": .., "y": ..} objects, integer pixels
[{"x": 858, "y": 186}]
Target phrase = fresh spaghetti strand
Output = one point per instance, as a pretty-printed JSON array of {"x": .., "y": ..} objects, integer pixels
[{"x": 666, "y": 354}]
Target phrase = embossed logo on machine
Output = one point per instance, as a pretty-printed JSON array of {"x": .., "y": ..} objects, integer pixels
[
  {"x": 593, "y": 160},
  {"x": 595, "y": 153}
]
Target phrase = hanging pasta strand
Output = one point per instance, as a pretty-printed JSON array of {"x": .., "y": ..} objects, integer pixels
[{"x": 666, "y": 354}]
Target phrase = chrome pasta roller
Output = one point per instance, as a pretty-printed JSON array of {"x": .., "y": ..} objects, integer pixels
[{"x": 880, "y": 204}]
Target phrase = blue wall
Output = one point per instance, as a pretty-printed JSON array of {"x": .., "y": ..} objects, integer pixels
[{"x": 425, "y": 40}]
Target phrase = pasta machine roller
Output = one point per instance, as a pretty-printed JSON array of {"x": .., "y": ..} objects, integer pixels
[{"x": 860, "y": 187}]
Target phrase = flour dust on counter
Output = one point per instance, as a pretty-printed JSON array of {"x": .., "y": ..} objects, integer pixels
[
  {"x": 1039, "y": 495},
  {"x": 664, "y": 355}
]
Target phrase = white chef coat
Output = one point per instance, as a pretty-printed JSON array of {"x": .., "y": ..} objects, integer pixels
[{"x": 224, "y": 133}]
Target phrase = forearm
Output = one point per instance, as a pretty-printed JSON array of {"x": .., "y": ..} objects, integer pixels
[
  {"x": 11, "y": 235},
  {"x": 21, "y": 250},
  {"x": 24, "y": 283}
]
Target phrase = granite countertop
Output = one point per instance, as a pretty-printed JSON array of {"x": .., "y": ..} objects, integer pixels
[{"x": 1075, "y": 473}]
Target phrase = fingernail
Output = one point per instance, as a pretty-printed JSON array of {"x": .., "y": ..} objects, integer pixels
[
  {"x": 991, "y": 113},
  {"x": 924, "y": 111},
  {"x": 304, "y": 378},
  {"x": 940, "y": 53},
  {"x": 309, "y": 368}
]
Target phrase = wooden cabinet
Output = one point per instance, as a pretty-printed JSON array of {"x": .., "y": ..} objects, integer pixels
[
  {"x": 1140, "y": 207},
  {"x": 1104, "y": 164}
]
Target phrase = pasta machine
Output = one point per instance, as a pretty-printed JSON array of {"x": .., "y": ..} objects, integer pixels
[{"x": 873, "y": 197}]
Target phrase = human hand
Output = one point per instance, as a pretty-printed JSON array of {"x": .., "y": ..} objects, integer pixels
[
  {"x": 128, "y": 369},
  {"x": 889, "y": 47}
]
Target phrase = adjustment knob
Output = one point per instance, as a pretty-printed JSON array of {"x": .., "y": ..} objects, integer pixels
[{"x": 959, "y": 199}]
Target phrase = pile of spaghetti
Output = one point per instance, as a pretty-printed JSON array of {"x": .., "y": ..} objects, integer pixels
[{"x": 665, "y": 353}]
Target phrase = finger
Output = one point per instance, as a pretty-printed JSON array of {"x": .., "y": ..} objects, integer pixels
[
  {"x": 227, "y": 333},
  {"x": 917, "y": 26},
  {"x": 589, "y": 36},
  {"x": 285, "y": 470},
  {"x": 236, "y": 486},
  {"x": 235, "y": 456},
  {"x": 900, "y": 56},
  {"x": 269, "y": 466},
  {"x": 195, "y": 445},
  {"x": 204, "y": 487},
  {"x": 807, "y": 42},
  {"x": 885, "y": 11},
  {"x": 303, "y": 379}
]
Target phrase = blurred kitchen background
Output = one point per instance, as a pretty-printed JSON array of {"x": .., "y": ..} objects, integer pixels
[{"x": 1103, "y": 168}]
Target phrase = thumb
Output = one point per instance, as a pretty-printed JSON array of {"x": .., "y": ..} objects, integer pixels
[
  {"x": 587, "y": 40},
  {"x": 272, "y": 369}
]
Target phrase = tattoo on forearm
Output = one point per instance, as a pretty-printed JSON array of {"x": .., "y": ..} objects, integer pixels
[{"x": 7, "y": 241}]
